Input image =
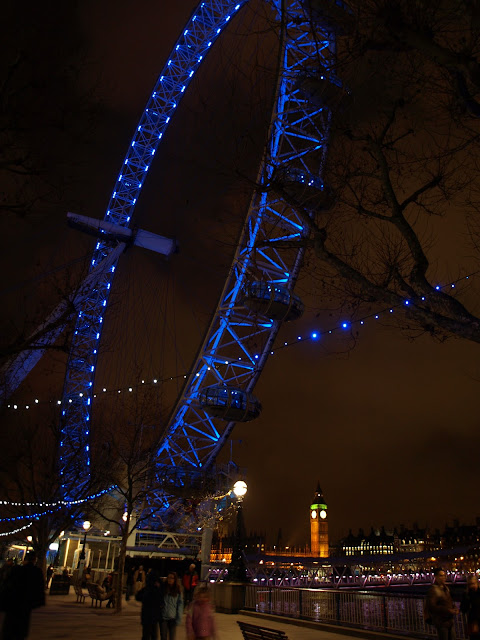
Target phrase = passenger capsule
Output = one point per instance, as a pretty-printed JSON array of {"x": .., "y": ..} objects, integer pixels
[
  {"x": 230, "y": 403},
  {"x": 322, "y": 89},
  {"x": 307, "y": 189},
  {"x": 272, "y": 301}
]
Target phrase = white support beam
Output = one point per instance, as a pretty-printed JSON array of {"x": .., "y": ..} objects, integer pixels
[{"x": 137, "y": 237}]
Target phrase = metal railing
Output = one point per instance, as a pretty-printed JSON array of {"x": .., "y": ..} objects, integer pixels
[{"x": 388, "y": 613}]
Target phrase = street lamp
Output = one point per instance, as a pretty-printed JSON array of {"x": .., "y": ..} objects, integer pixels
[
  {"x": 237, "y": 570},
  {"x": 86, "y": 526}
]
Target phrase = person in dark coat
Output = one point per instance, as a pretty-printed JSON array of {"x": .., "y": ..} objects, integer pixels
[
  {"x": 109, "y": 590},
  {"x": 151, "y": 597},
  {"x": 26, "y": 591},
  {"x": 470, "y": 606},
  {"x": 440, "y": 607},
  {"x": 130, "y": 583}
]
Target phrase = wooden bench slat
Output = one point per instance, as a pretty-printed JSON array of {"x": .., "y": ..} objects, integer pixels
[{"x": 256, "y": 632}]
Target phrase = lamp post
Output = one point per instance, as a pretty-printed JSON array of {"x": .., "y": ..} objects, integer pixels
[
  {"x": 237, "y": 571},
  {"x": 81, "y": 560}
]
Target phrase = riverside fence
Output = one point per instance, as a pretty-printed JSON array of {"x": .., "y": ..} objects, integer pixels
[{"x": 388, "y": 613}]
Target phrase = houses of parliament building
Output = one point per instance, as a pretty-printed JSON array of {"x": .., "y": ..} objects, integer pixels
[{"x": 457, "y": 545}]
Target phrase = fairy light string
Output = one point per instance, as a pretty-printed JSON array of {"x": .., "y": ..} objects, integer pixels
[
  {"x": 14, "y": 531},
  {"x": 52, "y": 506},
  {"x": 312, "y": 336}
]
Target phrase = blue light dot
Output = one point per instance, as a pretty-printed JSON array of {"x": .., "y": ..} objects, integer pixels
[
  {"x": 407, "y": 302},
  {"x": 437, "y": 287},
  {"x": 344, "y": 325},
  {"x": 376, "y": 317},
  {"x": 314, "y": 335}
]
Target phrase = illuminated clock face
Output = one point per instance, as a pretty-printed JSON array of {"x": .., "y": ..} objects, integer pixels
[
  {"x": 323, "y": 514},
  {"x": 314, "y": 514}
]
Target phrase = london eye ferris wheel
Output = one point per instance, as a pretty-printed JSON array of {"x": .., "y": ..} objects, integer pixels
[{"x": 258, "y": 294}]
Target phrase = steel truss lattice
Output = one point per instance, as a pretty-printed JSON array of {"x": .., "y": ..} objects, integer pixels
[{"x": 238, "y": 341}]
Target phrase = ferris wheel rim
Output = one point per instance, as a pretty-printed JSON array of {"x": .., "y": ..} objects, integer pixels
[{"x": 125, "y": 195}]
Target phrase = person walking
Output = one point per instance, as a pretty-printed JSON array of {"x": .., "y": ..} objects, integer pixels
[
  {"x": 26, "y": 591},
  {"x": 470, "y": 606},
  {"x": 49, "y": 575},
  {"x": 130, "y": 583},
  {"x": 200, "y": 620},
  {"x": 172, "y": 607},
  {"x": 151, "y": 597},
  {"x": 439, "y": 607},
  {"x": 190, "y": 581},
  {"x": 139, "y": 580}
]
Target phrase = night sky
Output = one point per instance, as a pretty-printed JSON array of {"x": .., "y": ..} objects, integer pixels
[{"x": 387, "y": 425}]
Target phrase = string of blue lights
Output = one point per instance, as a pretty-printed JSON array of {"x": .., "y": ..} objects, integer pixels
[{"x": 312, "y": 336}]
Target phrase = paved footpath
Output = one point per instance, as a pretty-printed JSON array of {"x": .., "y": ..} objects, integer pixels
[{"x": 63, "y": 617}]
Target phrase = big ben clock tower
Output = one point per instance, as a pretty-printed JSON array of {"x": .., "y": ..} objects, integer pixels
[{"x": 319, "y": 525}]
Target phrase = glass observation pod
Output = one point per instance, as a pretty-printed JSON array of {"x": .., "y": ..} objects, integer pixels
[
  {"x": 272, "y": 301},
  {"x": 230, "y": 403},
  {"x": 307, "y": 189},
  {"x": 333, "y": 14},
  {"x": 321, "y": 88}
]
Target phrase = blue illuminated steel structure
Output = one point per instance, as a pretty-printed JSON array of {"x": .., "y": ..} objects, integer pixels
[{"x": 238, "y": 341}]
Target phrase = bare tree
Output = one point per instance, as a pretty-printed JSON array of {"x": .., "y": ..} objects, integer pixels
[
  {"x": 127, "y": 437},
  {"x": 402, "y": 168},
  {"x": 126, "y": 441},
  {"x": 30, "y": 484}
]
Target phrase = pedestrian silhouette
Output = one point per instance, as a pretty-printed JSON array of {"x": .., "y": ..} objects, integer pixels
[
  {"x": 200, "y": 620},
  {"x": 439, "y": 607},
  {"x": 470, "y": 605},
  {"x": 25, "y": 591}
]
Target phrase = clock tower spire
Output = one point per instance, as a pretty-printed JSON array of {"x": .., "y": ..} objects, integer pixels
[{"x": 319, "y": 525}]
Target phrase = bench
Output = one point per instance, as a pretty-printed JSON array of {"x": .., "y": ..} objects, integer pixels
[
  {"x": 81, "y": 593},
  {"x": 97, "y": 595},
  {"x": 255, "y": 632}
]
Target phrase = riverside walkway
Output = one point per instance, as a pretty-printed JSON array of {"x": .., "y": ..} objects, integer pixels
[{"x": 64, "y": 618}]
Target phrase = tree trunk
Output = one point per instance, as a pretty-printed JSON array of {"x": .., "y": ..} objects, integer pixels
[{"x": 121, "y": 569}]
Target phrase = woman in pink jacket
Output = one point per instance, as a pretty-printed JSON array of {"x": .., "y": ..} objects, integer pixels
[{"x": 200, "y": 616}]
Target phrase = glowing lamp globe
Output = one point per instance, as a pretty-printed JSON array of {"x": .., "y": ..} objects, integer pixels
[
  {"x": 240, "y": 488},
  {"x": 86, "y": 525}
]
